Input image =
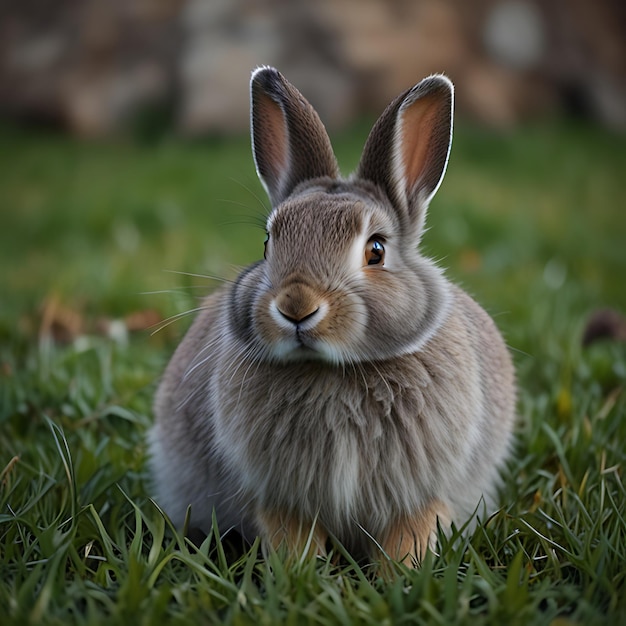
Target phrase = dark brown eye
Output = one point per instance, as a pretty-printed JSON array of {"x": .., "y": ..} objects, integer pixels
[
  {"x": 267, "y": 238},
  {"x": 374, "y": 252}
]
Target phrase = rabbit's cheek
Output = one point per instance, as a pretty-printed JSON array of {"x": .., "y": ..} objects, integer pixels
[
  {"x": 347, "y": 323},
  {"x": 384, "y": 297}
]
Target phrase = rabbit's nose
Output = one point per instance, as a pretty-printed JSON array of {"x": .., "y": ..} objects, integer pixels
[
  {"x": 297, "y": 303},
  {"x": 297, "y": 320}
]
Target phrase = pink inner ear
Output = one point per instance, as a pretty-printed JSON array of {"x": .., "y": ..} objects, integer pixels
[
  {"x": 271, "y": 142},
  {"x": 419, "y": 122}
]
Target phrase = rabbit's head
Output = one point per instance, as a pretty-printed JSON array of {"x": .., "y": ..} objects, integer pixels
[{"x": 342, "y": 280}]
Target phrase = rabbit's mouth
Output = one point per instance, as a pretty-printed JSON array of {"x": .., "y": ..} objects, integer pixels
[
  {"x": 305, "y": 344},
  {"x": 301, "y": 346},
  {"x": 309, "y": 335}
]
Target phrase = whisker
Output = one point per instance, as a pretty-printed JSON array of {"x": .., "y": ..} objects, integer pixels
[
  {"x": 170, "y": 320},
  {"x": 195, "y": 363},
  {"x": 356, "y": 366},
  {"x": 254, "y": 195},
  {"x": 247, "y": 220},
  {"x": 207, "y": 276},
  {"x": 519, "y": 351},
  {"x": 254, "y": 214},
  {"x": 172, "y": 290}
]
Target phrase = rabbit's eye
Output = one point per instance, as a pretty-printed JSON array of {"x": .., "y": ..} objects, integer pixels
[
  {"x": 267, "y": 238},
  {"x": 374, "y": 252}
]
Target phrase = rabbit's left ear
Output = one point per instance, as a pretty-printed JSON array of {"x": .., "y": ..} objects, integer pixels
[
  {"x": 289, "y": 141},
  {"x": 407, "y": 151}
]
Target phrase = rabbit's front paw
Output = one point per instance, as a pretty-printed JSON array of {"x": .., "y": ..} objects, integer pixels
[
  {"x": 295, "y": 536},
  {"x": 409, "y": 537}
]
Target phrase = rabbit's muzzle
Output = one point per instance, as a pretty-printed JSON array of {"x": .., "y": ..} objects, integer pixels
[{"x": 298, "y": 304}]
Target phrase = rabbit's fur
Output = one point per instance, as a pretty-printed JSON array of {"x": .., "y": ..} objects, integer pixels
[{"x": 319, "y": 394}]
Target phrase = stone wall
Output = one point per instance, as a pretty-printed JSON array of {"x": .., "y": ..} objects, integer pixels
[{"x": 94, "y": 66}]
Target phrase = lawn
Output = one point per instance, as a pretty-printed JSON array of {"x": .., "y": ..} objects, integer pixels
[{"x": 95, "y": 235}]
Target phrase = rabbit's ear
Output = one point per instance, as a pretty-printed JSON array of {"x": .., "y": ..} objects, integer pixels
[
  {"x": 289, "y": 141},
  {"x": 407, "y": 151}
]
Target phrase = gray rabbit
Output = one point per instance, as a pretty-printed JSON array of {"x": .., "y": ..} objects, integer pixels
[{"x": 341, "y": 386}]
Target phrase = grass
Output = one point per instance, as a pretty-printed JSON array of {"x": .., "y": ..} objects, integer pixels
[{"x": 531, "y": 223}]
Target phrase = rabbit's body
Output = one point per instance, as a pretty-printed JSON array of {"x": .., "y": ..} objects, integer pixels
[{"x": 364, "y": 399}]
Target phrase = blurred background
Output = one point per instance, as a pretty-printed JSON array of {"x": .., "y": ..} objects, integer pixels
[
  {"x": 93, "y": 67},
  {"x": 125, "y": 152}
]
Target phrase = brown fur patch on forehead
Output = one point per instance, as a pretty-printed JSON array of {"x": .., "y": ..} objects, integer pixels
[
  {"x": 339, "y": 219},
  {"x": 312, "y": 232},
  {"x": 331, "y": 200}
]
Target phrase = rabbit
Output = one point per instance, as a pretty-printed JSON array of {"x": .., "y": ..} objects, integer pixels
[{"x": 341, "y": 388}]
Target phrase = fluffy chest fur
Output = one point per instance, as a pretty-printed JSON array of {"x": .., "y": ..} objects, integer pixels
[{"x": 362, "y": 444}]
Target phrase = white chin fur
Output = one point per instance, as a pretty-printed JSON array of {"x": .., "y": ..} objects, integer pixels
[{"x": 290, "y": 350}]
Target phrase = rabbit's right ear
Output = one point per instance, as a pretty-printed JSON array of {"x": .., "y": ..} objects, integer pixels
[
  {"x": 407, "y": 151},
  {"x": 289, "y": 141}
]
